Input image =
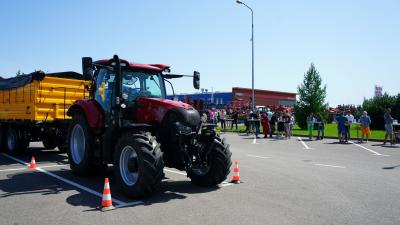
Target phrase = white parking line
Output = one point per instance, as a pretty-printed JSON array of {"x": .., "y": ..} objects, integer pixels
[
  {"x": 261, "y": 157},
  {"x": 129, "y": 204},
  {"x": 50, "y": 166},
  {"x": 341, "y": 167},
  {"x": 223, "y": 184},
  {"x": 26, "y": 168},
  {"x": 15, "y": 169},
  {"x": 91, "y": 191},
  {"x": 304, "y": 144},
  {"x": 177, "y": 172},
  {"x": 374, "y": 152}
]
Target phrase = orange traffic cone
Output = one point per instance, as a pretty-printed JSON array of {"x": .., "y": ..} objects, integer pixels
[
  {"x": 106, "y": 203},
  {"x": 32, "y": 165},
  {"x": 236, "y": 177}
]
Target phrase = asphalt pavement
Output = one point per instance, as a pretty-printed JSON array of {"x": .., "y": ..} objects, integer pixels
[{"x": 292, "y": 181}]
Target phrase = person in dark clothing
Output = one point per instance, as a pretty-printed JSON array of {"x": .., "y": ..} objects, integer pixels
[
  {"x": 256, "y": 117},
  {"x": 281, "y": 125},
  {"x": 321, "y": 127},
  {"x": 341, "y": 121},
  {"x": 272, "y": 124},
  {"x": 235, "y": 116},
  {"x": 222, "y": 119}
]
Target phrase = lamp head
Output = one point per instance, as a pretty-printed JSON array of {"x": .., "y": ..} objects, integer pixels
[{"x": 239, "y": 2}]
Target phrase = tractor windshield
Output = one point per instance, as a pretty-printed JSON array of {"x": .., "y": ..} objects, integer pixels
[{"x": 141, "y": 84}]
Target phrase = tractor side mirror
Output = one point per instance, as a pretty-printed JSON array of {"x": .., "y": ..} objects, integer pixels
[
  {"x": 87, "y": 68},
  {"x": 196, "y": 80}
]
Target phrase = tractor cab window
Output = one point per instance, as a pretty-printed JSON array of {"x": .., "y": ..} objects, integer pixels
[
  {"x": 152, "y": 84},
  {"x": 104, "y": 88},
  {"x": 141, "y": 84}
]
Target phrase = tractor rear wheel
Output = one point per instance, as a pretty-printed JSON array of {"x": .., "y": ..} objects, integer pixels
[
  {"x": 80, "y": 147},
  {"x": 217, "y": 166},
  {"x": 138, "y": 165}
]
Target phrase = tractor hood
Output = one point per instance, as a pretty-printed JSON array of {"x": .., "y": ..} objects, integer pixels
[
  {"x": 163, "y": 102},
  {"x": 153, "y": 110}
]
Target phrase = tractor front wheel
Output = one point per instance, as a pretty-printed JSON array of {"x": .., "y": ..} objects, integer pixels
[
  {"x": 138, "y": 165},
  {"x": 80, "y": 147},
  {"x": 217, "y": 166}
]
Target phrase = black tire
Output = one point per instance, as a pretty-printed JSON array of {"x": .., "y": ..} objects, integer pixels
[
  {"x": 15, "y": 141},
  {"x": 81, "y": 162},
  {"x": 2, "y": 139},
  {"x": 148, "y": 165},
  {"x": 62, "y": 147},
  {"x": 50, "y": 142},
  {"x": 219, "y": 164}
]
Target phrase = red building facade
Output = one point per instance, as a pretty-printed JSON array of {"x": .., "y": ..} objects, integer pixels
[{"x": 242, "y": 97}]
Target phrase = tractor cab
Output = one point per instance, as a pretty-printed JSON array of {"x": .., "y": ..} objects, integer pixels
[
  {"x": 118, "y": 83},
  {"x": 134, "y": 84}
]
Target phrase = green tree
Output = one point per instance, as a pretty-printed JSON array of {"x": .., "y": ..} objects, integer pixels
[
  {"x": 311, "y": 97},
  {"x": 376, "y": 108},
  {"x": 19, "y": 73}
]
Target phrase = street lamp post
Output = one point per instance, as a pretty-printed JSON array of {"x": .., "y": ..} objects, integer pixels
[{"x": 252, "y": 53}]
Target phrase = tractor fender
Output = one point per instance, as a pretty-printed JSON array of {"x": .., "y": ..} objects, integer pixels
[{"x": 92, "y": 110}]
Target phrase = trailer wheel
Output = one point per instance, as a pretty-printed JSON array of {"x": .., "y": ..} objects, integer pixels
[
  {"x": 15, "y": 142},
  {"x": 80, "y": 146},
  {"x": 138, "y": 165},
  {"x": 217, "y": 167},
  {"x": 2, "y": 138}
]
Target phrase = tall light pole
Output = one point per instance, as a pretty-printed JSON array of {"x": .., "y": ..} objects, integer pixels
[{"x": 252, "y": 53}]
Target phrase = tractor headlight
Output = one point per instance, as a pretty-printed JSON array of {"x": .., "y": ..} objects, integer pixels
[{"x": 182, "y": 129}]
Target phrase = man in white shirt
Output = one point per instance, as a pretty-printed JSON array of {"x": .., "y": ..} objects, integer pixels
[{"x": 350, "y": 119}]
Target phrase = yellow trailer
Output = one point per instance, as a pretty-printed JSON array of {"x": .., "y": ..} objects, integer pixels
[{"x": 33, "y": 107}]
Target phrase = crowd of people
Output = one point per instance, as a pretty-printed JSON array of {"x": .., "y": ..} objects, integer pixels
[
  {"x": 344, "y": 122},
  {"x": 281, "y": 123}
]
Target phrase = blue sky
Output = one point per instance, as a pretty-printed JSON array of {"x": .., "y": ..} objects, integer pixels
[{"x": 354, "y": 44}]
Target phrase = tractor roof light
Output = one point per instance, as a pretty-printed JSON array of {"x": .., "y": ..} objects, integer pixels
[{"x": 123, "y": 64}]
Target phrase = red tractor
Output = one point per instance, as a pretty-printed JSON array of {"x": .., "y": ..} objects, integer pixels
[{"x": 128, "y": 122}]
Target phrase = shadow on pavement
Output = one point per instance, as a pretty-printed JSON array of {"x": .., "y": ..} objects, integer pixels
[
  {"x": 308, "y": 140},
  {"x": 337, "y": 143},
  {"x": 386, "y": 146},
  {"x": 175, "y": 190},
  {"x": 249, "y": 138},
  {"x": 34, "y": 182},
  {"x": 41, "y": 156},
  {"x": 30, "y": 182},
  {"x": 390, "y": 167},
  {"x": 390, "y": 146}
]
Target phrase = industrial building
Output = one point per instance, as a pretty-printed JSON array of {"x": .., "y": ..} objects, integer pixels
[
  {"x": 264, "y": 97},
  {"x": 240, "y": 97}
]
